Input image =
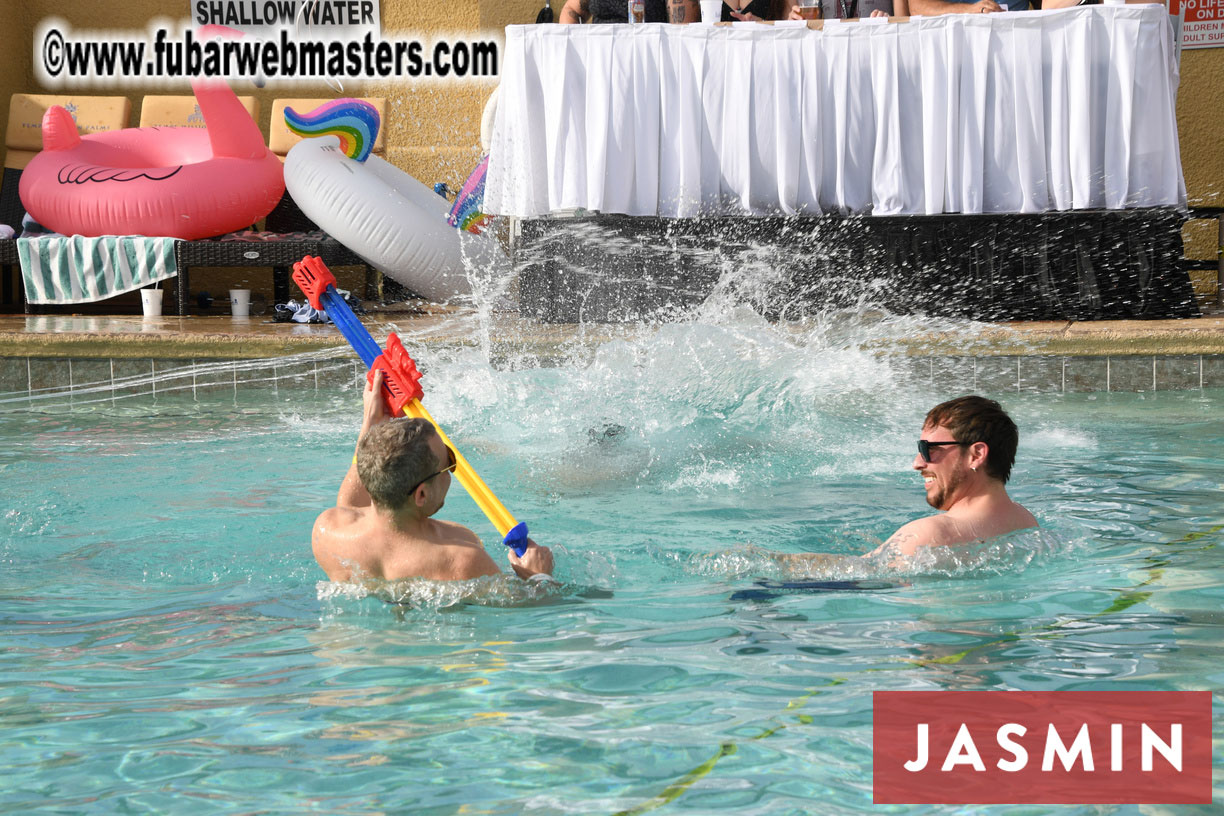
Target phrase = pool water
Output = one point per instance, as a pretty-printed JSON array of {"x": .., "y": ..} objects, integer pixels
[{"x": 169, "y": 645}]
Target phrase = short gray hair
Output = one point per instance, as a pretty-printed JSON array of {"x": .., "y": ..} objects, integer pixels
[{"x": 393, "y": 458}]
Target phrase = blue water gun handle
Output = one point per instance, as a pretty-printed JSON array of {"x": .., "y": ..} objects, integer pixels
[
  {"x": 348, "y": 324},
  {"x": 516, "y": 539}
]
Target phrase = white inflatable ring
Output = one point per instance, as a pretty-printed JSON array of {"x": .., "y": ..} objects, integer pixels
[{"x": 390, "y": 219}]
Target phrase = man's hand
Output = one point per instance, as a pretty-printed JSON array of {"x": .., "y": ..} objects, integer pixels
[
  {"x": 536, "y": 560},
  {"x": 375, "y": 412}
]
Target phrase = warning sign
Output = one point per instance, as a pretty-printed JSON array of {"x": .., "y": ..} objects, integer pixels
[
  {"x": 317, "y": 17},
  {"x": 1204, "y": 26}
]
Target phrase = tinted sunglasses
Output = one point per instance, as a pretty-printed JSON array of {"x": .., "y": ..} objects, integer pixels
[
  {"x": 450, "y": 458},
  {"x": 924, "y": 448}
]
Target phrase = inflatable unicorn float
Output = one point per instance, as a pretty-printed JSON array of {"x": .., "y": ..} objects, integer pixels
[{"x": 394, "y": 222}]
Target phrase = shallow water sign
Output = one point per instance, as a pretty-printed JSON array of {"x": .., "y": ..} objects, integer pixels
[{"x": 347, "y": 17}]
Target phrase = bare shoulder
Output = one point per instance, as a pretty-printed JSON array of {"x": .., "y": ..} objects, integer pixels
[
  {"x": 335, "y": 520},
  {"x": 473, "y": 562},
  {"x": 458, "y": 554},
  {"x": 331, "y": 541},
  {"x": 457, "y": 533},
  {"x": 1023, "y": 518},
  {"x": 927, "y": 531}
]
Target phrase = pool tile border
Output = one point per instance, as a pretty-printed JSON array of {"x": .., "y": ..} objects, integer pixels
[
  {"x": 1072, "y": 374},
  {"x": 26, "y": 382},
  {"x": 56, "y": 382}
]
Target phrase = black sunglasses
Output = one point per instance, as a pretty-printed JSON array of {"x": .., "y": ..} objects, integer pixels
[
  {"x": 450, "y": 456},
  {"x": 924, "y": 448}
]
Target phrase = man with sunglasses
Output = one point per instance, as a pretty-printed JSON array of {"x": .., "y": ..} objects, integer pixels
[
  {"x": 382, "y": 526},
  {"x": 965, "y": 456}
]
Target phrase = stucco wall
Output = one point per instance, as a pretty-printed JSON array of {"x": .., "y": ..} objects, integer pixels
[
  {"x": 1200, "y": 126},
  {"x": 14, "y": 58}
]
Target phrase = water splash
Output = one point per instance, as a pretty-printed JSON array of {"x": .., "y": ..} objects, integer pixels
[
  {"x": 504, "y": 590},
  {"x": 1005, "y": 555}
]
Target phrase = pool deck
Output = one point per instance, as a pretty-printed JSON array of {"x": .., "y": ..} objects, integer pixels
[{"x": 211, "y": 337}]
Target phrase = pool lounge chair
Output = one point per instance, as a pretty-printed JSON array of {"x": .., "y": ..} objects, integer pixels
[{"x": 291, "y": 230}]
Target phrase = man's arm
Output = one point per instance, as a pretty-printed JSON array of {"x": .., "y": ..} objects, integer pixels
[
  {"x": 909, "y": 538},
  {"x": 574, "y": 11},
  {"x": 809, "y": 561},
  {"x": 906, "y": 541},
  {"x": 933, "y": 8},
  {"x": 352, "y": 491},
  {"x": 683, "y": 11}
]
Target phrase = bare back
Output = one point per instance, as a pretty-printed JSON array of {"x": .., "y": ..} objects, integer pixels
[{"x": 360, "y": 542}]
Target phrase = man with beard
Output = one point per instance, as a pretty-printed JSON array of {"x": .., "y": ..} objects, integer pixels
[{"x": 965, "y": 456}]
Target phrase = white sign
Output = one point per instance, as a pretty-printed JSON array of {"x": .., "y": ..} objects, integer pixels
[
  {"x": 315, "y": 17},
  {"x": 1204, "y": 25}
]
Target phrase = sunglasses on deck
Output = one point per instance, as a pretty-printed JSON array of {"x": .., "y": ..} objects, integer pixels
[
  {"x": 450, "y": 457},
  {"x": 924, "y": 448}
]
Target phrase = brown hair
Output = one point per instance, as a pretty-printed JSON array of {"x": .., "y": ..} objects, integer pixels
[
  {"x": 977, "y": 419},
  {"x": 393, "y": 458}
]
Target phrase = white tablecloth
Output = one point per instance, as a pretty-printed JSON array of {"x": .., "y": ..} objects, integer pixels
[{"x": 1022, "y": 112}]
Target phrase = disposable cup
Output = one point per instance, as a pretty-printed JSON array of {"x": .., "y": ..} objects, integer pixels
[
  {"x": 151, "y": 302},
  {"x": 711, "y": 11},
  {"x": 240, "y": 302}
]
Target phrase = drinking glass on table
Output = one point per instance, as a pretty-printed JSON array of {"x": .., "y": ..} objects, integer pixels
[{"x": 808, "y": 9}]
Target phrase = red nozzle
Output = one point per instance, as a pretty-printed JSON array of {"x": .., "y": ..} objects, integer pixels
[
  {"x": 401, "y": 380},
  {"x": 313, "y": 277}
]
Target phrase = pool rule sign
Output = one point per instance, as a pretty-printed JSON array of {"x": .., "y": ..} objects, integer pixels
[
  {"x": 1204, "y": 26},
  {"x": 313, "y": 17}
]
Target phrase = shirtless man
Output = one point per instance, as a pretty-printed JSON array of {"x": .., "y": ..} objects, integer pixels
[
  {"x": 965, "y": 456},
  {"x": 382, "y": 525}
]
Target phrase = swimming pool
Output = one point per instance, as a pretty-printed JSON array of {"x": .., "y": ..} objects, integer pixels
[{"x": 169, "y": 646}]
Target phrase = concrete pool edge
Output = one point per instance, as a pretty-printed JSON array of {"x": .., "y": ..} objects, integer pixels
[
  {"x": 224, "y": 338},
  {"x": 47, "y": 357}
]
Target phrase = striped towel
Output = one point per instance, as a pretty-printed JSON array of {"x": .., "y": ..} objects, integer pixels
[{"x": 76, "y": 269}]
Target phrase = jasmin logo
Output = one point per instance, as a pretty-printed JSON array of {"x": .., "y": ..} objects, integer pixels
[
  {"x": 196, "y": 116},
  {"x": 72, "y": 110},
  {"x": 963, "y": 750},
  {"x": 1072, "y": 747}
]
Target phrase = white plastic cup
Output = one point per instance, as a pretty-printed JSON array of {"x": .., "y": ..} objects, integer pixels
[
  {"x": 240, "y": 302},
  {"x": 151, "y": 302},
  {"x": 711, "y": 11}
]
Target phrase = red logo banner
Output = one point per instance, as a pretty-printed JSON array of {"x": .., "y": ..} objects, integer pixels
[{"x": 1042, "y": 747}]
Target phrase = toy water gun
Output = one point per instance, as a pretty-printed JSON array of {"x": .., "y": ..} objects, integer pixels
[{"x": 401, "y": 387}]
